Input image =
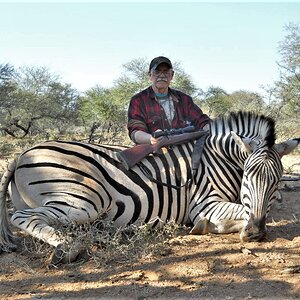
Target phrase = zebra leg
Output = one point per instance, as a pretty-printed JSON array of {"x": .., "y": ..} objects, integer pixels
[
  {"x": 204, "y": 226},
  {"x": 7, "y": 239},
  {"x": 38, "y": 222},
  {"x": 218, "y": 217}
]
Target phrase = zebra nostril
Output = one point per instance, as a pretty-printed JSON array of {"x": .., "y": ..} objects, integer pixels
[
  {"x": 252, "y": 233},
  {"x": 257, "y": 236}
]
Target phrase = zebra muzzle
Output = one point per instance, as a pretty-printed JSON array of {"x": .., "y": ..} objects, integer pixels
[{"x": 255, "y": 230}]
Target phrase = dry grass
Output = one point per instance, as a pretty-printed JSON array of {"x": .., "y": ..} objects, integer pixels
[{"x": 105, "y": 244}]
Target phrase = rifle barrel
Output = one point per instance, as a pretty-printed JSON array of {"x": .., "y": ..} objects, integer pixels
[{"x": 173, "y": 131}]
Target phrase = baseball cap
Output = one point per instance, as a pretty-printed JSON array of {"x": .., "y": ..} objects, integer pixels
[{"x": 155, "y": 62}]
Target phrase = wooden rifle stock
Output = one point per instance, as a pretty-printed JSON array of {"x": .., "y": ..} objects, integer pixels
[{"x": 131, "y": 156}]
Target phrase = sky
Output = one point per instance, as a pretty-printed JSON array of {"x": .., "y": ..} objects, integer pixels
[{"x": 232, "y": 45}]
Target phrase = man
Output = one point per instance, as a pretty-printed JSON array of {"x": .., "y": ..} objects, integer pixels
[{"x": 160, "y": 107}]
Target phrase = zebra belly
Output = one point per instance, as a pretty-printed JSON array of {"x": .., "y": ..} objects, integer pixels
[
  {"x": 142, "y": 209},
  {"x": 48, "y": 180}
]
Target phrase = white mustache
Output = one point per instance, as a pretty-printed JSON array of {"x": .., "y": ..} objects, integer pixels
[{"x": 162, "y": 80}]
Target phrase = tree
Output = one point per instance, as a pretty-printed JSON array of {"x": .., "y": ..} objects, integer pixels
[
  {"x": 8, "y": 87},
  {"x": 35, "y": 102},
  {"x": 289, "y": 49},
  {"x": 288, "y": 88},
  {"x": 247, "y": 101},
  {"x": 286, "y": 92},
  {"x": 7, "y": 74},
  {"x": 217, "y": 101},
  {"x": 220, "y": 103},
  {"x": 38, "y": 102}
]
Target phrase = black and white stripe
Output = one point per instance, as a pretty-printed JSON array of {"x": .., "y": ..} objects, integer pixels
[{"x": 63, "y": 181}]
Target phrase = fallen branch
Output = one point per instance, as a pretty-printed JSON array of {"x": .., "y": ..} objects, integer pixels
[{"x": 291, "y": 270}]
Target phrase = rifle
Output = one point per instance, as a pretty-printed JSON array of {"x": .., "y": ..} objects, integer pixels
[
  {"x": 131, "y": 156},
  {"x": 173, "y": 131}
]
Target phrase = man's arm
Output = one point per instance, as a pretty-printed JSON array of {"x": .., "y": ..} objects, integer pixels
[
  {"x": 136, "y": 125},
  {"x": 141, "y": 137}
]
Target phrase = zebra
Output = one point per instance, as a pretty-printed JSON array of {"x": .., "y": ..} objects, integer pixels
[{"x": 69, "y": 181}]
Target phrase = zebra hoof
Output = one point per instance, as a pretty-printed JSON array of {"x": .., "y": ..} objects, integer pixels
[
  {"x": 8, "y": 248},
  {"x": 62, "y": 255},
  {"x": 12, "y": 244},
  {"x": 201, "y": 227}
]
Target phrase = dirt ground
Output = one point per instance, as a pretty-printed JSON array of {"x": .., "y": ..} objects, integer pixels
[{"x": 201, "y": 267}]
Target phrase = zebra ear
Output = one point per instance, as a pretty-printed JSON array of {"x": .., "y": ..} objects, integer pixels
[
  {"x": 245, "y": 143},
  {"x": 286, "y": 147}
]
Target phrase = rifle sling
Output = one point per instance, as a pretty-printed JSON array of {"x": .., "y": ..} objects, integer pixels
[{"x": 197, "y": 151}]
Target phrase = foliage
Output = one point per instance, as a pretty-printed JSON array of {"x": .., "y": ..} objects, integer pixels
[
  {"x": 7, "y": 74},
  {"x": 220, "y": 103},
  {"x": 35, "y": 102},
  {"x": 287, "y": 89},
  {"x": 216, "y": 101},
  {"x": 284, "y": 97},
  {"x": 248, "y": 101},
  {"x": 289, "y": 50},
  {"x": 6, "y": 149},
  {"x": 183, "y": 81}
]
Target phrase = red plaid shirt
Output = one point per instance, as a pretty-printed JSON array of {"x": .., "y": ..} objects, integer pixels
[{"x": 146, "y": 114}]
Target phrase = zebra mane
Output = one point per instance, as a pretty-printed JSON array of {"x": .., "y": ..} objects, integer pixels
[{"x": 246, "y": 124}]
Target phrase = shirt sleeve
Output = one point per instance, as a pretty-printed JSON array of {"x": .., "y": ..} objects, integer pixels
[{"x": 136, "y": 116}]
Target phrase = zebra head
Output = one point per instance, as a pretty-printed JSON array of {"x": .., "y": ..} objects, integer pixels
[{"x": 262, "y": 173}]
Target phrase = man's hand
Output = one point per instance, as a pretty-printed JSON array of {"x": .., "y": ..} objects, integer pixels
[
  {"x": 156, "y": 140},
  {"x": 206, "y": 127}
]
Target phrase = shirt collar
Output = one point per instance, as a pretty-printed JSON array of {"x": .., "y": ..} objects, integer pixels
[{"x": 172, "y": 92}]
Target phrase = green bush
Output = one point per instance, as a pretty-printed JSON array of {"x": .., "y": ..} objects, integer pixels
[{"x": 7, "y": 149}]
